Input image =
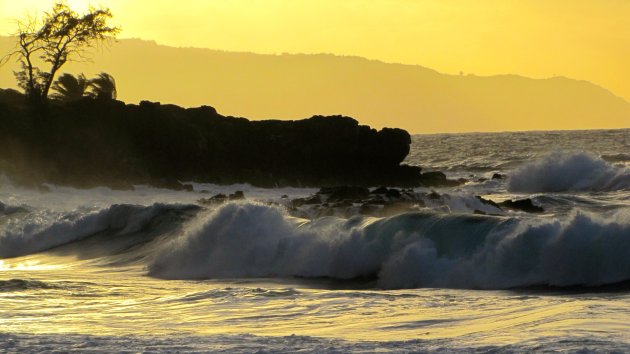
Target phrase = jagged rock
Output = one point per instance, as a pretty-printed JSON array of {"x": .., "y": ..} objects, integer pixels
[
  {"x": 437, "y": 179},
  {"x": 408, "y": 194},
  {"x": 379, "y": 190},
  {"x": 393, "y": 193},
  {"x": 238, "y": 195},
  {"x": 525, "y": 205},
  {"x": 378, "y": 199},
  {"x": 434, "y": 195},
  {"x": 349, "y": 201},
  {"x": 388, "y": 192},
  {"x": 488, "y": 202},
  {"x": 215, "y": 199},
  {"x": 345, "y": 192},
  {"x": 498, "y": 176},
  {"x": 312, "y": 200},
  {"x": 196, "y": 144}
]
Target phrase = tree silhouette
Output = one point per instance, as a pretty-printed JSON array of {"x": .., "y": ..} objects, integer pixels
[
  {"x": 69, "y": 88},
  {"x": 103, "y": 87},
  {"x": 60, "y": 36}
]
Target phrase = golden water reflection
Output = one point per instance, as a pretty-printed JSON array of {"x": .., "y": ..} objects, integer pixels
[{"x": 63, "y": 295}]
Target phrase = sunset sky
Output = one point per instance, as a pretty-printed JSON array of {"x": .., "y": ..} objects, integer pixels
[{"x": 582, "y": 39}]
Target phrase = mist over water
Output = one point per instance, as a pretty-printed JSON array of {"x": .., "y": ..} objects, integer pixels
[
  {"x": 155, "y": 270},
  {"x": 562, "y": 172}
]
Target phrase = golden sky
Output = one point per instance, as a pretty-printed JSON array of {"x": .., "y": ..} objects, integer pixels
[{"x": 582, "y": 39}]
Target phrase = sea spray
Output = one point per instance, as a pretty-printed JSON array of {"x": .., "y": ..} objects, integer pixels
[
  {"x": 40, "y": 230},
  {"x": 405, "y": 251},
  {"x": 569, "y": 172}
]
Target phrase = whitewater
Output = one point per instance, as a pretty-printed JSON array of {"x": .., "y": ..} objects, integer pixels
[{"x": 156, "y": 270}]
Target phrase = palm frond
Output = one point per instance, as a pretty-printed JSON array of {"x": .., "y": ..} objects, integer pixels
[
  {"x": 69, "y": 87},
  {"x": 103, "y": 87}
]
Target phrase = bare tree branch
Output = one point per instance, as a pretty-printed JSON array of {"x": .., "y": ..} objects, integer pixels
[{"x": 61, "y": 35}]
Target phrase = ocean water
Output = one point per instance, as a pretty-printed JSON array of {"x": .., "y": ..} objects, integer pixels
[{"x": 153, "y": 270}]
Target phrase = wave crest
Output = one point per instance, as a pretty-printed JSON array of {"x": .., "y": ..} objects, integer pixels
[
  {"x": 562, "y": 172},
  {"x": 43, "y": 230},
  {"x": 404, "y": 251}
]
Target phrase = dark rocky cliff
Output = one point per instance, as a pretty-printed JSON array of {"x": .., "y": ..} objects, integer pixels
[{"x": 90, "y": 142}]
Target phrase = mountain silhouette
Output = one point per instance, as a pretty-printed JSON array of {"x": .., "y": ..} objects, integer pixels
[{"x": 290, "y": 86}]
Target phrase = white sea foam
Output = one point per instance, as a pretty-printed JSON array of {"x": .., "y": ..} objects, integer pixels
[
  {"x": 247, "y": 343},
  {"x": 562, "y": 172},
  {"x": 582, "y": 250},
  {"x": 405, "y": 251}
]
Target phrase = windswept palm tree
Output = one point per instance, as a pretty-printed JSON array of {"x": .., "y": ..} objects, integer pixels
[
  {"x": 69, "y": 88},
  {"x": 103, "y": 87}
]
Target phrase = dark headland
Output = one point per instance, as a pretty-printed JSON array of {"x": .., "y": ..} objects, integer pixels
[{"x": 93, "y": 142}]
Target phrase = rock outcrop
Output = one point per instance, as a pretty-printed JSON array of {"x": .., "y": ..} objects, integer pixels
[{"x": 93, "y": 142}]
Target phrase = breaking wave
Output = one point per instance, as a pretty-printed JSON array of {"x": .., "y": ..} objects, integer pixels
[
  {"x": 563, "y": 172},
  {"x": 42, "y": 230},
  {"x": 405, "y": 251}
]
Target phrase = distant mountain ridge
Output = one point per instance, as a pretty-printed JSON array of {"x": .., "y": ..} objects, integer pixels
[{"x": 290, "y": 86}]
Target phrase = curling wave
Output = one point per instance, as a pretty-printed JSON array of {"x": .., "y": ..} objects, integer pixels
[
  {"x": 41, "y": 230},
  {"x": 404, "y": 251},
  {"x": 565, "y": 172}
]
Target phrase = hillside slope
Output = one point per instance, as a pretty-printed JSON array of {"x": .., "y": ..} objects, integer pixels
[{"x": 378, "y": 94}]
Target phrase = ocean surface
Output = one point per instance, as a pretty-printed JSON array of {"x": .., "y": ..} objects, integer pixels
[{"x": 153, "y": 270}]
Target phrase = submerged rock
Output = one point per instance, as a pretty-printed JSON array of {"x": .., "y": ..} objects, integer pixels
[
  {"x": 222, "y": 198},
  {"x": 380, "y": 190},
  {"x": 525, "y": 205},
  {"x": 437, "y": 179},
  {"x": 215, "y": 199},
  {"x": 339, "y": 193},
  {"x": 488, "y": 202},
  {"x": 238, "y": 195},
  {"x": 348, "y": 201},
  {"x": 312, "y": 200},
  {"x": 387, "y": 192},
  {"x": 434, "y": 195}
]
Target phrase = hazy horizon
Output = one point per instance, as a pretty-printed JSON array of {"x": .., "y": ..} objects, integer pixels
[
  {"x": 294, "y": 86},
  {"x": 425, "y": 66},
  {"x": 584, "y": 39}
]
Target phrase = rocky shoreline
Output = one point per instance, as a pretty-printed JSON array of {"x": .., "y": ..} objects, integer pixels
[
  {"x": 89, "y": 143},
  {"x": 348, "y": 201}
]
